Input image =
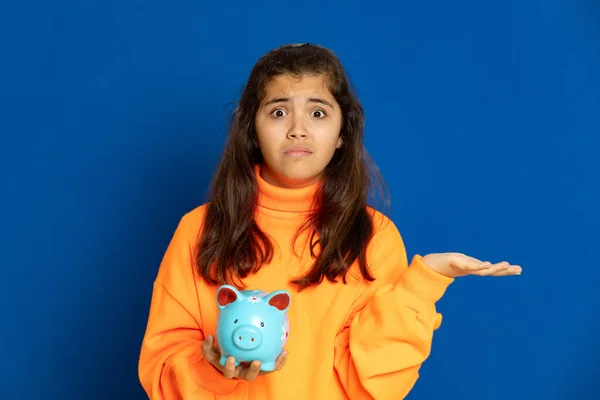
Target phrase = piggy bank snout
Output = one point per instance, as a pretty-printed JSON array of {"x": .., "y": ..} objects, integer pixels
[{"x": 247, "y": 337}]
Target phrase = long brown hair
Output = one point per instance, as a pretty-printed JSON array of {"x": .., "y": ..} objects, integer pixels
[{"x": 232, "y": 246}]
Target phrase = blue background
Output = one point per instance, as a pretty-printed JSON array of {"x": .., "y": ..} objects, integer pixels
[{"x": 483, "y": 116}]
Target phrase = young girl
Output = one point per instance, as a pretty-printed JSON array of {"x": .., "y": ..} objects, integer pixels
[{"x": 288, "y": 210}]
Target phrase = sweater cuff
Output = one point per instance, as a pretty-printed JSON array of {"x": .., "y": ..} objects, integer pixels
[
  {"x": 213, "y": 380},
  {"x": 423, "y": 282}
]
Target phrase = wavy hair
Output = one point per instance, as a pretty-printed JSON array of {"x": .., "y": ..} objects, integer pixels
[{"x": 231, "y": 245}]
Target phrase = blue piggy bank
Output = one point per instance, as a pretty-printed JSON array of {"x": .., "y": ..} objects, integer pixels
[{"x": 253, "y": 325}]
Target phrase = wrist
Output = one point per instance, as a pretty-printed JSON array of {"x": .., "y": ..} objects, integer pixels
[{"x": 424, "y": 282}]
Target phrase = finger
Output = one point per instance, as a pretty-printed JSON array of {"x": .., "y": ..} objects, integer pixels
[
  {"x": 281, "y": 360},
  {"x": 252, "y": 371},
  {"x": 511, "y": 270},
  {"x": 473, "y": 264},
  {"x": 208, "y": 343},
  {"x": 493, "y": 269},
  {"x": 469, "y": 258},
  {"x": 229, "y": 371},
  {"x": 208, "y": 349},
  {"x": 240, "y": 370},
  {"x": 279, "y": 363},
  {"x": 464, "y": 262}
]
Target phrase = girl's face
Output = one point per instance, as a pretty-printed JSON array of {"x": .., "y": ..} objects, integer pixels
[{"x": 298, "y": 127}]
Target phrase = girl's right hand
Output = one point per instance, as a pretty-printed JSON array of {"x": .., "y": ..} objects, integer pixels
[{"x": 245, "y": 371}]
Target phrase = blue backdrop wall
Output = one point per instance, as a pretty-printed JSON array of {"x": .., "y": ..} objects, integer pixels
[{"x": 483, "y": 116}]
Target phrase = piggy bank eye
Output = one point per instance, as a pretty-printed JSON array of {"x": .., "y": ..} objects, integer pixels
[
  {"x": 262, "y": 324},
  {"x": 235, "y": 322}
]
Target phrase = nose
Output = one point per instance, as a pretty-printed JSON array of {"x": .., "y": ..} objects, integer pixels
[
  {"x": 247, "y": 337},
  {"x": 297, "y": 130},
  {"x": 297, "y": 135}
]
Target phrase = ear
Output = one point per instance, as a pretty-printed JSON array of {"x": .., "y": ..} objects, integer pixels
[
  {"x": 340, "y": 141},
  {"x": 226, "y": 295},
  {"x": 279, "y": 299}
]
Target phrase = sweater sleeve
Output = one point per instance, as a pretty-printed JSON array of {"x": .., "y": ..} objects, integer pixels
[
  {"x": 389, "y": 333},
  {"x": 171, "y": 365}
]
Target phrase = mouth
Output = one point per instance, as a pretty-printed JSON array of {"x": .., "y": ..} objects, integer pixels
[{"x": 298, "y": 152}]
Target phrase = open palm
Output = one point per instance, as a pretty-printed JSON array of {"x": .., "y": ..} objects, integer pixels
[{"x": 457, "y": 264}]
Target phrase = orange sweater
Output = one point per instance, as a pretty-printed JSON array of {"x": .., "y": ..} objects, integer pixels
[{"x": 355, "y": 341}]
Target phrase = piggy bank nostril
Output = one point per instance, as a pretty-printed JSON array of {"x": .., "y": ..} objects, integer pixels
[{"x": 246, "y": 337}]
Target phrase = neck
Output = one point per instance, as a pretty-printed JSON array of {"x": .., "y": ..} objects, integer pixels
[{"x": 285, "y": 199}]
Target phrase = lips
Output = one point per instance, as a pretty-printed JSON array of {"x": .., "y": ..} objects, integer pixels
[{"x": 298, "y": 151}]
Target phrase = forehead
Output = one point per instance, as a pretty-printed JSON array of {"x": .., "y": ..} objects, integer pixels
[{"x": 288, "y": 86}]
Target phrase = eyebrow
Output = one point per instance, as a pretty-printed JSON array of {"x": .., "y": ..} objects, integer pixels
[{"x": 310, "y": 100}]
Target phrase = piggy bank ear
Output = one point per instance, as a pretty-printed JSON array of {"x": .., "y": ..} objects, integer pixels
[
  {"x": 279, "y": 299},
  {"x": 227, "y": 294}
]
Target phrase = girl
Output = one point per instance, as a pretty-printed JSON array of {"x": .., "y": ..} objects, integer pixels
[{"x": 288, "y": 210}]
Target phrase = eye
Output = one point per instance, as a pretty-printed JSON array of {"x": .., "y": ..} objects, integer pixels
[
  {"x": 235, "y": 322},
  {"x": 262, "y": 324},
  {"x": 319, "y": 114},
  {"x": 278, "y": 113}
]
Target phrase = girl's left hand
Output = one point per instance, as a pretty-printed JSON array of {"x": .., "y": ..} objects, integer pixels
[{"x": 456, "y": 264}]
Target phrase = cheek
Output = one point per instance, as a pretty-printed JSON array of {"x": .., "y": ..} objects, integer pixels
[
  {"x": 327, "y": 138},
  {"x": 267, "y": 141},
  {"x": 265, "y": 135},
  {"x": 268, "y": 130}
]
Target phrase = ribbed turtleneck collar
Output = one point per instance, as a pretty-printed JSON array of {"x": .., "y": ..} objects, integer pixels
[{"x": 283, "y": 199}]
